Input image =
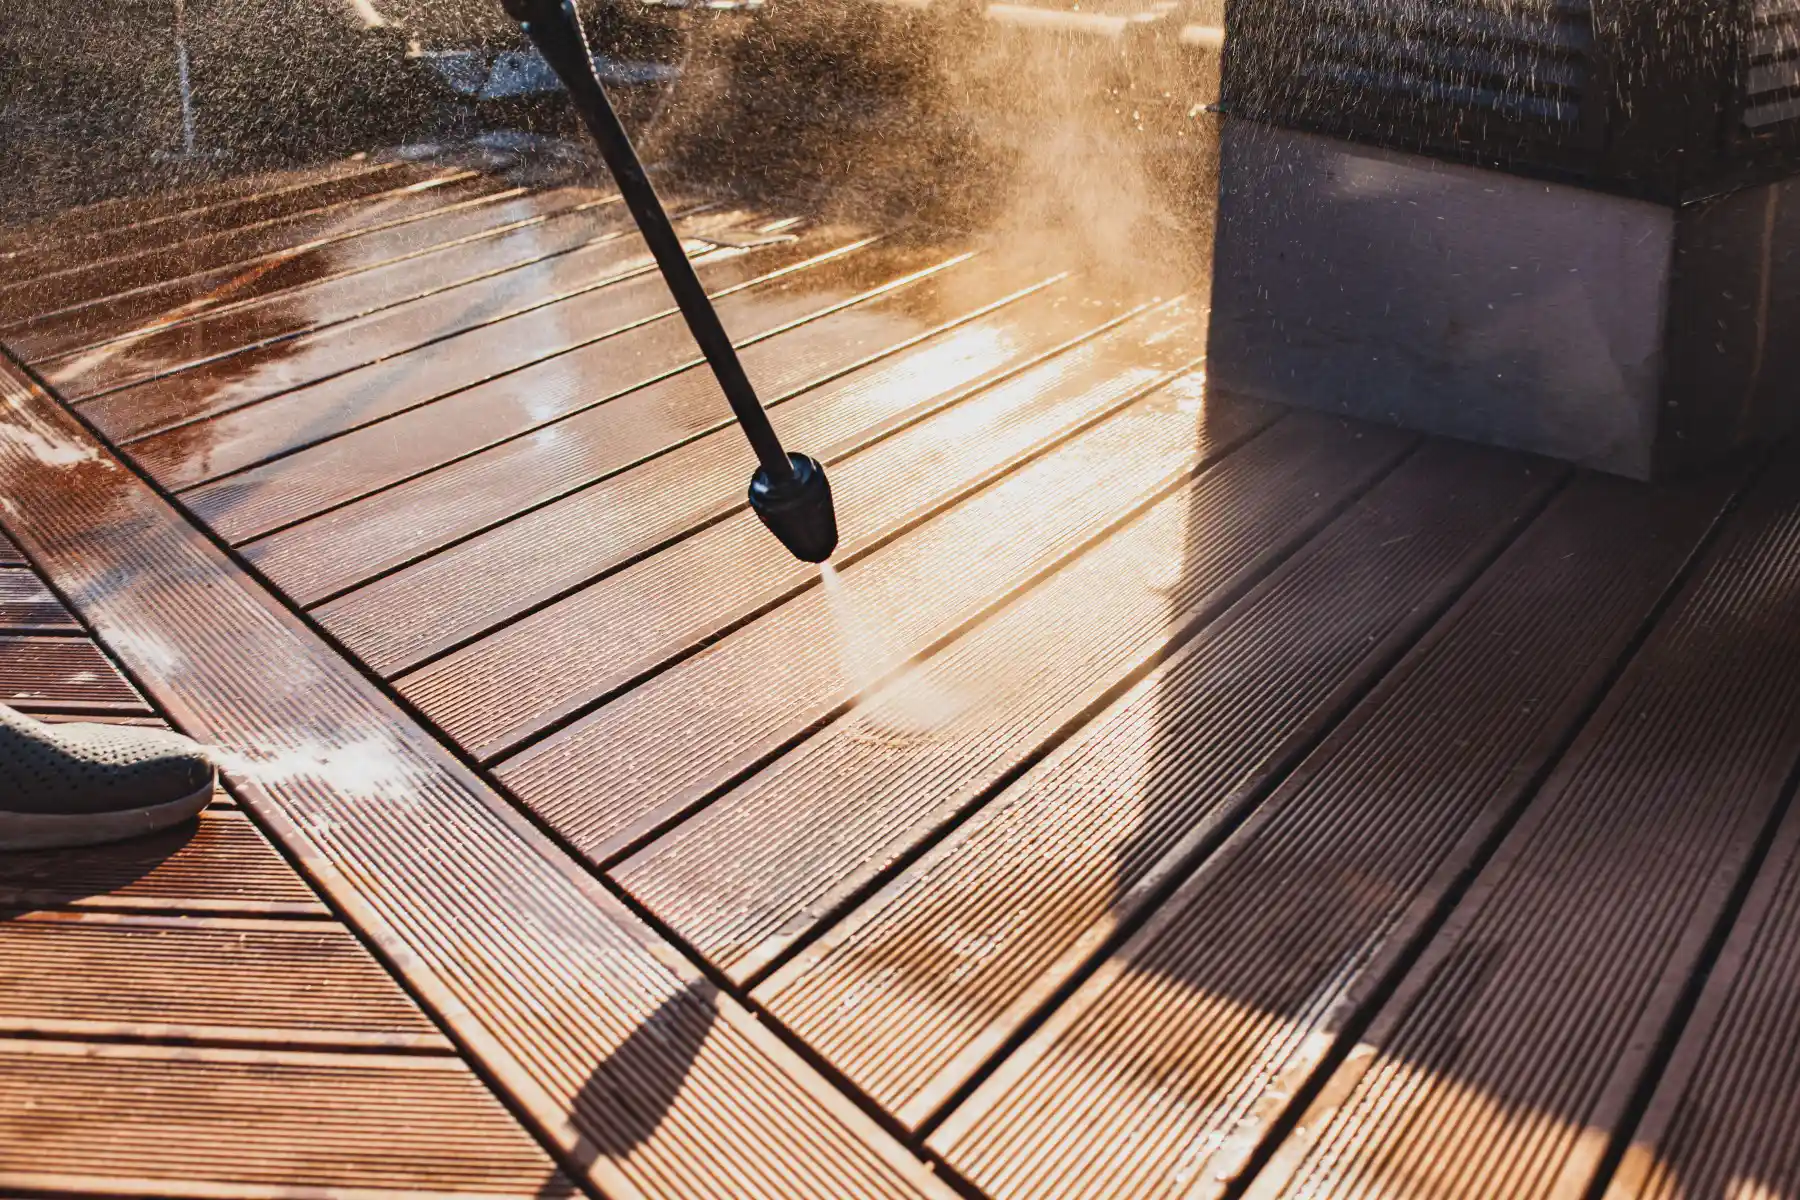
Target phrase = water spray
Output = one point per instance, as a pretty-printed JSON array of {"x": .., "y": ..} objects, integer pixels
[{"x": 788, "y": 492}]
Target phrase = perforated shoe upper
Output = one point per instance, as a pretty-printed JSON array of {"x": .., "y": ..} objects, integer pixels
[{"x": 75, "y": 769}]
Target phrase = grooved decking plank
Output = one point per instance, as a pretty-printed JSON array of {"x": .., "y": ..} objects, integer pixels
[
  {"x": 955, "y": 955},
  {"x": 756, "y": 872},
  {"x": 255, "y": 377},
  {"x": 287, "y": 982},
  {"x": 27, "y": 606},
  {"x": 9, "y": 553},
  {"x": 68, "y": 272},
  {"x": 521, "y": 679},
  {"x": 343, "y": 406},
  {"x": 618, "y": 1051},
  {"x": 530, "y": 228},
  {"x": 63, "y": 674},
  {"x": 396, "y": 621},
  {"x": 467, "y": 497},
  {"x": 107, "y": 298},
  {"x": 220, "y": 863},
  {"x": 623, "y": 771},
  {"x": 138, "y": 337},
  {"x": 1165, "y": 1069},
  {"x": 844, "y": 298},
  {"x": 1509, "y": 1053},
  {"x": 1723, "y": 1120},
  {"x": 208, "y": 1123},
  {"x": 172, "y": 215}
]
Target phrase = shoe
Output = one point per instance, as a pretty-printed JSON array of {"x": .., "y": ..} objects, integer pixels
[{"x": 81, "y": 785}]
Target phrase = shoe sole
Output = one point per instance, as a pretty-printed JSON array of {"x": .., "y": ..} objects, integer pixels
[{"x": 60, "y": 831}]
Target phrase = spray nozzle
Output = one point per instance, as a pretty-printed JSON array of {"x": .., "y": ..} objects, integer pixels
[
  {"x": 797, "y": 509},
  {"x": 789, "y": 492}
]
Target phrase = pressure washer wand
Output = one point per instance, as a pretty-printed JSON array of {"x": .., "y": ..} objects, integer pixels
[{"x": 789, "y": 492}]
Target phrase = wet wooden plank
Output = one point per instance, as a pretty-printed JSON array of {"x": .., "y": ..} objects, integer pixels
[
  {"x": 266, "y": 372},
  {"x": 702, "y": 587},
  {"x": 1168, "y": 1067},
  {"x": 363, "y": 236},
  {"x": 171, "y": 207},
  {"x": 1506, "y": 1058},
  {"x": 61, "y": 674},
  {"x": 88, "y": 975},
  {"x": 219, "y": 863},
  {"x": 909, "y": 760},
  {"x": 261, "y": 500},
  {"x": 481, "y": 491},
  {"x": 450, "y": 597},
  {"x": 1035, "y": 875},
  {"x": 532, "y": 227},
  {"x": 67, "y": 245},
  {"x": 627, "y": 769},
  {"x": 27, "y": 606},
  {"x": 211, "y": 1122},
  {"x": 81, "y": 281},
  {"x": 397, "y": 383},
  {"x": 1723, "y": 1121}
]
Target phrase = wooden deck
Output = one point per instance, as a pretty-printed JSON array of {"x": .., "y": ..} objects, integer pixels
[{"x": 1176, "y": 796}]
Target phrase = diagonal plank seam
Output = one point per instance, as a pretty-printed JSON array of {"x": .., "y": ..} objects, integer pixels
[
  {"x": 82, "y": 264},
  {"x": 614, "y": 471}
]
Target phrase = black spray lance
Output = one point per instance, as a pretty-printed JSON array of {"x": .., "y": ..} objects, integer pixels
[{"x": 788, "y": 491}]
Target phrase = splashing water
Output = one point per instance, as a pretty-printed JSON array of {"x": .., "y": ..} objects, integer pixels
[
  {"x": 861, "y": 652},
  {"x": 896, "y": 702},
  {"x": 363, "y": 769}
]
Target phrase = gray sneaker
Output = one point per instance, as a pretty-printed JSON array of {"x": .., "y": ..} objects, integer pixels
[{"x": 79, "y": 785}]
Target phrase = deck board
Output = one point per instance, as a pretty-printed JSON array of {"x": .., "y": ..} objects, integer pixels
[
  {"x": 116, "y": 293},
  {"x": 1242, "y": 982},
  {"x": 558, "y": 660},
  {"x": 125, "y": 968},
  {"x": 557, "y": 547},
  {"x": 65, "y": 265},
  {"x": 619, "y": 774},
  {"x": 28, "y": 606},
  {"x": 503, "y": 236},
  {"x": 618, "y": 1051},
  {"x": 904, "y": 763},
  {"x": 90, "y": 329},
  {"x": 305, "y": 420},
  {"x": 1721, "y": 1118},
  {"x": 201, "y": 979},
  {"x": 1504, "y": 1061},
  {"x": 839, "y": 291},
  {"x": 677, "y": 403},
  {"x": 173, "y": 214},
  {"x": 219, "y": 864},
  {"x": 1249, "y": 694},
  {"x": 66, "y": 675},
  {"x": 264, "y": 373},
  {"x": 171, "y": 1122}
]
